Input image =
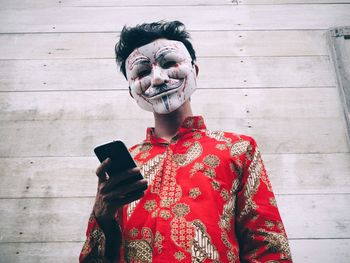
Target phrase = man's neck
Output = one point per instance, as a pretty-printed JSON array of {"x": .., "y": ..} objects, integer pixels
[{"x": 167, "y": 125}]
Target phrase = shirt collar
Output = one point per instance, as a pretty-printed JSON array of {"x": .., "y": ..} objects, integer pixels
[{"x": 190, "y": 124}]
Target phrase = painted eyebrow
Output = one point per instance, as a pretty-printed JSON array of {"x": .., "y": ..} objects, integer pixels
[
  {"x": 162, "y": 52},
  {"x": 140, "y": 60}
]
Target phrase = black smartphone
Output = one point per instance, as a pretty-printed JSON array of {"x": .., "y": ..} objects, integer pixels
[{"x": 120, "y": 156}]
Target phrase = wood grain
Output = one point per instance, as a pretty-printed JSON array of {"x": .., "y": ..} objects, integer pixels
[
  {"x": 264, "y": 71},
  {"x": 75, "y": 176},
  {"x": 18, "y": 4},
  {"x": 77, "y": 137},
  {"x": 306, "y": 251},
  {"x": 218, "y": 72},
  {"x": 101, "y": 45},
  {"x": 40, "y": 252},
  {"x": 107, "y": 105},
  {"x": 284, "y": 2},
  {"x": 65, "y": 219},
  {"x": 322, "y": 251},
  {"x": 97, "y": 19}
]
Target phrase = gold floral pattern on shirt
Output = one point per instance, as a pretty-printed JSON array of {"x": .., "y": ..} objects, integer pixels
[
  {"x": 225, "y": 240},
  {"x": 148, "y": 169},
  {"x": 224, "y": 194},
  {"x": 231, "y": 256},
  {"x": 95, "y": 244},
  {"x": 200, "y": 123},
  {"x": 249, "y": 152},
  {"x": 269, "y": 224},
  {"x": 187, "y": 144},
  {"x": 141, "y": 148},
  {"x": 211, "y": 160},
  {"x": 165, "y": 214},
  {"x": 180, "y": 210},
  {"x": 277, "y": 242},
  {"x": 266, "y": 180},
  {"x": 192, "y": 153},
  {"x": 197, "y": 135},
  {"x": 195, "y": 192},
  {"x": 239, "y": 147},
  {"x": 221, "y": 146},
  {"x": 188, "y": 123},
  {"x": 155, "y": 213},
  {"x": 229, "y": 208},
  {"x": 210, "y": 173},
  {"x": 138, "y": 251},
  {"x": 144, "y": 155},
  {"x": 150, "y": 205},
  {"x": 216, "y": 185},
  {"x": 165, "y": 185},
  {"x": 252, "y": 184},
  {"x": 136, "y": 150},
  {"x": 237, "y": 169},
  {"x": 134, "y": 232},
  {"x": 196, "y": 167},
  {"x": 219, "y": 136},
  {"x": 158, "y": 241},
  {"x": 187, "y": 238},
  {"x": 202, "y": 246},
  {"x": 182, "y": 232},
  {"x": 179, "y": 255}
]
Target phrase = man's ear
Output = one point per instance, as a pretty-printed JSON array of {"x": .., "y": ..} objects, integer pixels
[
  {"x": 130, "y": 92},
  {"x": 197, "y": 69}
]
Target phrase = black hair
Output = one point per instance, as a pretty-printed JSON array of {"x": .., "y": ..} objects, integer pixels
[{"x": 140, "y": 35}]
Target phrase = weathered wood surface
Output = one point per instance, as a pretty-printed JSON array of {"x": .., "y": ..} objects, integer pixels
[
  {"x": 44, "y": 219},
  {"x": 97, "y": 19},
  {"x": 108, "y": 105},
  {"x": 54, "y": 176},
  {"x": 282, "y": 2},
  {"x": 62, "y": 252},
  {"x": 284, "y": 94},
  {"x": 65, "y": 219},
  {"x": 266, "y": 114},
  {"x": 323, "y": 250},
  {"x": 101, "y": 45},
  {"x": 219, "y": 72},
  {"x": 20, "y": 4},
  {"x": 305, "y": 251},
  {"x": 275, "y": 135}
]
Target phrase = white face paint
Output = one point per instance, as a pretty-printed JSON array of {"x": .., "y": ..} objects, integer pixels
[{"x": 161, "y": 76}]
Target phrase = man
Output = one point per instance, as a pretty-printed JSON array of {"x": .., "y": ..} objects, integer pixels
[{"x": 206, "y": 196}]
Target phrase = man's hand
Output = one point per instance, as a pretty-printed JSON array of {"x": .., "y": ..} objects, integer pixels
[{"x": 115, "y": 191}]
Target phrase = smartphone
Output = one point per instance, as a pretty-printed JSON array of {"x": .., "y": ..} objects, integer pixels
[{"x": 120, "y": 156}]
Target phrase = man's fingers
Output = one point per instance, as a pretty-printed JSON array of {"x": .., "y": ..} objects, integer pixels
[
  {"x": 116, "y": 203},
  {"x": 101, "y": 170},
  {"x": 125, "y": 178},
  {"x": 123, "y": 192}
]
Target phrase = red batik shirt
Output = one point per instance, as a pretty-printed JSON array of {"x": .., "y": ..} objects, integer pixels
[{"x": 209, "y": 200}]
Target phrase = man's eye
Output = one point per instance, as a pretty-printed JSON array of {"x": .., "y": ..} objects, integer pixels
[
  {"x": 143, "y": 73},
  {"x": 169, "y": 64}
]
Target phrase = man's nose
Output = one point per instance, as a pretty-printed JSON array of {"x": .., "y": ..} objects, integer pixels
[{"x": 159, "y": 76}]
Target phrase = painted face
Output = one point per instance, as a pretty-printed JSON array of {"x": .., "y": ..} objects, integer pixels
[{"x": 161, "y": 76}]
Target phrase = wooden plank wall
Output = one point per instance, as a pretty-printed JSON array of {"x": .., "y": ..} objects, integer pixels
[{"x": 264, "y": 64}]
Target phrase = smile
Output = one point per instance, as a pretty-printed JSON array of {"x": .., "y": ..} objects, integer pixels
[{"x": 157, "y": 92}]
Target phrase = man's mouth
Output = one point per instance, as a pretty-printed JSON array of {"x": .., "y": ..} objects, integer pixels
[{"x": 159, "y": 91}]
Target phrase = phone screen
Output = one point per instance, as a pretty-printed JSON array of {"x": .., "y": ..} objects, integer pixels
[{"x": 119, "y": 154}]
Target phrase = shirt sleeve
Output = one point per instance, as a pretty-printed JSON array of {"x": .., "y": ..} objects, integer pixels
[
  {"x": 259, "y": 226},
  {"x": 94, "y": 246}
]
